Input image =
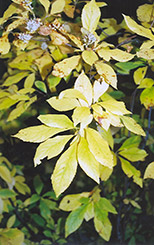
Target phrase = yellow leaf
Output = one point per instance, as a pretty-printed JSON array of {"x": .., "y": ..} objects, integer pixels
[
  {"x": 11, "y": 236},
  {"x": 87, "y": 161},
  {"x": 89, "y": 56},
  {"x": 107, "y": 73},
  {"x": 147, "y": 97},
  {"x": 4, "y": 44},
  {"x": 105, "y": 172},
  {"x": 11, "y": 221},
  {"x": 103, "y": 227},
  {"x": 69, "y": 9},
  {"x": 57, "y": 121},
  {"x": 99, "y": 148},
  {"x": 89, "y": 214},
  {"x": 15, "y": 24},
  {"x": 12, "y": 9},
  {"x": 82, "y": 115},
  {"x": 138, "y": 29},
  {"x": 99, "y": 89},
  {"x": 57, "y": 6},
  {"x": 44, "y": 64},
  {"x": 65, "y": 170},
  {"x": 139, "y": 74},
  {"x": 73, "y": 94},
  {"x": 83, "y": 84},
  {"x": 57, "y": 38},
  {"x": 5, "y": 174},
  {"x": 37, "y": 133},
  {"x": 64, "y": 104},
  {"x": 46, "y": 4},
  {"x": 7, "y": 102},
  {"x": 145, "y": 12},
  {"x": 132, "y": 125},
  {"x": 65, "y": 67},
  {"x": 121, "y": 56},
  {"x": 147, "y": 54},
  {"x": 90, "y": 16},
  {"x": 15, "y": 78},
  {"x": 117, "y": 107},
  {"x": 76, "y": 41},
  {"x": 51, "y": 148},
  {"x": 146, "y": 83},
  {"x": 29, "y": 81},
  {"x": 149, "y": 172}
]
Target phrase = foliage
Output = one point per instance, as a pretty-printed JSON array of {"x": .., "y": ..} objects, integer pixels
[{"x": 57, "y": 51}]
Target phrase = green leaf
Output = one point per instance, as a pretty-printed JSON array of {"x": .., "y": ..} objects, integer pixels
[
  {"x": 147, "y": 97},
  {"x": 37, "y": 133},
  {"x": 72, "y": 202},
  {"x": 132, "y": 125},
  {"x": 99, "y": 148},
  {"x": 132, "y": 141},
  {"x": 125, "y": 67},
  {"x": 103, "y": 227},
  {"x": 74, "y": 220},
  {"x": 53, "y": 81},
  {"x": 6, "y": 193},
  {"x": 90, "y": 16},
  {"x": 131, "y": 171},
  {"x": 51, "y": 148},
  {"x": 44, "y": 209},
  {"x": 133, "y": 154},
  {"x": 106, "y": 205},
  {"x": 87, "y": 160},
  {"x": 38, "y": 220},
  {"x": 41, "y": 86},
  {"x": 65, "y": 170},
  {"x": 149, "y": 172},
  {"x": 57, "y": 121},
  {"x": 38, "y": 184}
]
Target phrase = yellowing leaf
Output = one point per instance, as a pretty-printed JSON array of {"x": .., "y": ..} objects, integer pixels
[
  {"x": 116, "y": 107},
  {"x": 82, "y": 115},
  {"x": 76, "y": 41},
  {"x": 37, "y": 133},
  {"x": 65, "y": 67},
  {"x": 72, "y": 202},
  {"x": 65, "y": 170},
  {"x": 12, "y": 9},
  {"x": 147, "y": 97},
  {"x": 90, "y": 16},
  {"x": 11, "y": 237},
  {"x": 149, "y": 172},
  {"x": 11, "y": 221},
  {"x": 89, "y": 56},
  {"x": 46, "y": 4},
  {"x": 44, "y": 64},
  {"x": 15, "y": 24},
  {"x": 107, "y": 73},
  {"x": 132, "y": 125},
  {"x": 4, "y": 44},
  {"x": 99, "y": 89},
  {"x": 87, "y": 161},
  {"x": 64, "y": 104},
  {"x": 57, "y": 38},
  {"x": 138, "y": 29},
  {"x": 7, "y": 102},
  {"x": 99, "y": 148},
  {"x": 131, "y": 171},
  {"x": 105, "y": 172},
  {"x": 103, "y": 227},
  {"x": 146, "y": 53},
  {"x": 15, "y": 78},
  {"x": 51, "y": 148},
  {"x": 5, "y": 174},
  {"x": 83, "y": 84},
  {"x": 139, "y": 74},
  {"x": 145, "y": 12},
  {"x": 57, "y": 6},
  {"x": 57, "y": 121},
  {"x": 146, "y": 83},
  {"x": 72, "y": 93},
  {"x": 116, "y": 54},
  {"x": 29, "y": 81},
  {"x": 133, "y": 154}
]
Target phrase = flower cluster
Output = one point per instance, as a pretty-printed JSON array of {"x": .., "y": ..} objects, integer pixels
[
  {"x": 24, "y": 37},
  {"x": 33, "y": 25}
]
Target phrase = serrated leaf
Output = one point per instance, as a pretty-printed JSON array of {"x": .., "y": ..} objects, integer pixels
[
  {"x": 99, "y": 89},
  {"x": 15, "y": 78},
  {"x": 145, "y": 12},
  {"x": 90, "y": 16},
  {"x": 133, "y": 154},
  {"x": 103, "y": 227},
  {"x": 89, "y": 56},
  {"x": 132, "y": 125},
  {"x": 131, "y": 171},
  {"x": 46, "y": 4},
  {"x": 65, "y": 67},
  {"x": 51, "y": 148},
  {"x": 117, "y": 107},
  {"x": 57, "y": 121},
  {"x": 4, "y": 44},
  {"x": 57, "y": 6},
  {"x": 149, "y": 172},
  {"x": 138, "y": 29},
  {"x": 72, "y": 202},
  {"x": 11, "y": 221},
  {"x": 65, "y": 170},
  {"x": 107, "y": 73},
  {"x": 87, "y": 161},
  {"x": 82, "y": 115},
  {"x": 64, "y": 104},
  {"x": 139, "y": 74},
  {"x": 147, "y": 97},
  {"x": 37, "y": 133},
  {"x": 83, "y": 84},
  {"x": 74, "y": 220},
  {"x": 99, "y": 148}
]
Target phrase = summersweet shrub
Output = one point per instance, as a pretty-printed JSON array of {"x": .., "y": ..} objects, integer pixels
[{"x": 42, "y": 50}]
